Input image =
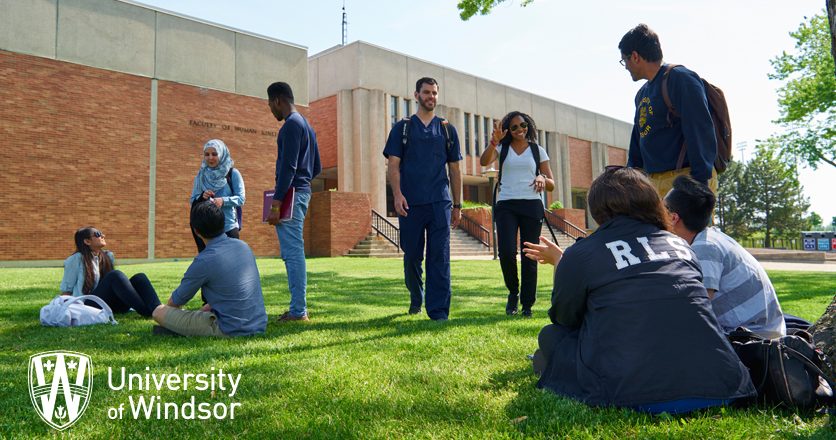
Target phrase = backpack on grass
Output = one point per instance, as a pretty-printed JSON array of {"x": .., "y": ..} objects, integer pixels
[
  {"x": 789, "y": 370},
  {"x": 70, "y": 311},
  {"x": 719, "y": 110}
]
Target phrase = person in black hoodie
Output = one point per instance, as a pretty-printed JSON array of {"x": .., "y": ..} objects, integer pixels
[{"x": 632, "y": 322}]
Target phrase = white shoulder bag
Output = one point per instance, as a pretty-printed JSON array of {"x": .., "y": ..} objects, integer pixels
[{"x": 70, "y": 311}]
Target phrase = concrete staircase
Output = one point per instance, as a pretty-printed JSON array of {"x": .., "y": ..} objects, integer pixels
[
  {"x": 461, "y": 245},
  {"x": 563, "y": 239}
]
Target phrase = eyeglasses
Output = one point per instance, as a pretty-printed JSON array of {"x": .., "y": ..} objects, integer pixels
[
  {"x": 523, "y": 125},
  {"x": 623, "y": 62},
  {"x": 97, "y": 234}
]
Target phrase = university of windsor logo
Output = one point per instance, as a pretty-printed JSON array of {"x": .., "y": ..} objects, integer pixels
[{"x": 60, "y": 385}]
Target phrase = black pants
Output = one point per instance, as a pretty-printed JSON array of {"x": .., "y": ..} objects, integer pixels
[
  {"x": 525, "y": 216},
  {"x": 232, "y": 233},
  {"x": 121, "y": 294}
]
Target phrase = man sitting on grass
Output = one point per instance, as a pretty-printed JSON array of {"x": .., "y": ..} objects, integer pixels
[
  {"x": 740, "y": 291},
  {"x": 228, "y": 275}
]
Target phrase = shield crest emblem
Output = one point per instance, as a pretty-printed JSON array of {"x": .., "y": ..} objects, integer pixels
[{"x": 60, "y": 385}]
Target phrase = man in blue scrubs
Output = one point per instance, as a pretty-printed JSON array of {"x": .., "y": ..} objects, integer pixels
[{"x": 423, "y": 153}]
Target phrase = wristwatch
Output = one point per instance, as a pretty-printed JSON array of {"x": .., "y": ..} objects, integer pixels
[{"x": 457, "y": 206}]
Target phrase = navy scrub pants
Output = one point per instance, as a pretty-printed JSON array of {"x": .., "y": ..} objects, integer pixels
[{"x": 432, "y": 219}]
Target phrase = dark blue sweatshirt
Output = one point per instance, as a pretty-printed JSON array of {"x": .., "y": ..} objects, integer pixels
[
  {"x": 297, "y": 162},
  {"x": 654, "y": 145}
]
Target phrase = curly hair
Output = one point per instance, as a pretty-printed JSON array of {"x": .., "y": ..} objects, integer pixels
[{"x": 530, "y": 135}]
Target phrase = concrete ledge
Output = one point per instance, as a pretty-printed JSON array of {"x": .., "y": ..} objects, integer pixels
[{"x": 792, "y": 256}]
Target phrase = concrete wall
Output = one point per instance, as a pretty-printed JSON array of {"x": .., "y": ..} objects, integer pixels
[
  {"x": 363, "y": 65},
  {"x": 126, "y": 37}
]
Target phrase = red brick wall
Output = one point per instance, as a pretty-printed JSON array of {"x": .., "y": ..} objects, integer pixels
[
  {"x": 576, "y": 217},
  {"x": 580, "y": 156},
  {"x": 187, "y": 117},
  {"x": 342, "y": 220},
  {"x": 76, "y": 143},
  {"x": 616, "y": 156},
  {"x": 323, "y": 117}
]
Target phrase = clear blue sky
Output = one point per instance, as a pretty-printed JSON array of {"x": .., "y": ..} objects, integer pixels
[{"x": 563, "y": 50}]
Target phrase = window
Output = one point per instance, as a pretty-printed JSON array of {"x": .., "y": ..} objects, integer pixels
[
  {"x": 544, "y": 141},
  {"x": 407, "y": 108},
  {"x": 393, "y": 109},
  {"x": 467, "y": 133},
  {"x": 477, "y": 144},
  {"x": 540, "y": 137}
]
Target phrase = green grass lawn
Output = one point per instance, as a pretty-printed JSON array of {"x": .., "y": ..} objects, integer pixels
[{"x": 362, "y": 368}]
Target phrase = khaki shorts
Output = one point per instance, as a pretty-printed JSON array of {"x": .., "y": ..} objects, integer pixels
[
  {"x": 191, "y": 322},
  {"x": 664, "y": 181}
]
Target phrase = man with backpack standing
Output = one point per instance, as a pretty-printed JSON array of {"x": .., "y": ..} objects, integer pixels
[
  {"x": 423, "y": 156},
  {"x": 673, "y": 130}
]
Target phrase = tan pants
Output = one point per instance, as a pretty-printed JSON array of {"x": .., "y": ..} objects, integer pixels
[
  {"x": 191, "y": 322},
  {"x": 664, "y": 181}
]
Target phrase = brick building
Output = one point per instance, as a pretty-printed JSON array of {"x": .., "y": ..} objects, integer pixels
[{"x": 106, "y": 105}]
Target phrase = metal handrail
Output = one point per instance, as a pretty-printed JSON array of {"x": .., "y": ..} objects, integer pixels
[
  {"x": 564, "y": 226},
  {"x": 475, "y": 230},
  {"x": 386, "y": 229}
]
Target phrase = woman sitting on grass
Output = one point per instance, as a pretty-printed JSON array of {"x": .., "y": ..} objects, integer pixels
[
  {"x": 632, "y": 322},
  {"x": 89, "y": 271}
]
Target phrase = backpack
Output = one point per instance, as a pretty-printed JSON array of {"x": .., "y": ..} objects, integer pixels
[
  {"x": 788, "y": 370},
  {"x": 719, "y": 110},
  {"x": 239, "y": 212},
  {"x": 405, "y": 138},
  {"x": 70, "y": 311}
]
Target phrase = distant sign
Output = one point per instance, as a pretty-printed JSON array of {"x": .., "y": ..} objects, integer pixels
[
  {"x": 824, "y": 244},
  {"x": 809, "y": 244}
]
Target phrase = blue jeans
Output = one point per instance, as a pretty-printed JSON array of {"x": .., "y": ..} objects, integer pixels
[{"x": 292, "y": 246}]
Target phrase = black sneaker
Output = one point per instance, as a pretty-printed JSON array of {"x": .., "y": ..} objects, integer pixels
[
  {"x": 511, "y": 305},
  {"x": 526, "y": 313},
  {"x": 414, "y": 310}
]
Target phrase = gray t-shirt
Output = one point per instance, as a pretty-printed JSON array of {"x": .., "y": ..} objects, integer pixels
[{"x": 744, "y": 295}]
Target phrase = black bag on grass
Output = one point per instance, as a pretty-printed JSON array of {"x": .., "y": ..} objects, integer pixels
[{"x": 788, "y": 370}]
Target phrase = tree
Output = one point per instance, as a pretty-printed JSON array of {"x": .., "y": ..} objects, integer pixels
[
  {"x": 775, "y": 199},
  {"x": 733, "y": 213},
  {"x": 807, "y": 99},
  {"x": 814, "y": 220},
  {"x": 469, "y": 8}
]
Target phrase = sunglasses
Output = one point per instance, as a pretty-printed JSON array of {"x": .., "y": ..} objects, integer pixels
[
  {"x": 97, "y": 234},
  {"x": 523, "y": 125}
]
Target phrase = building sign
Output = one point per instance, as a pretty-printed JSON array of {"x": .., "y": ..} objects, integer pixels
[{"x": 233, "y": 128}]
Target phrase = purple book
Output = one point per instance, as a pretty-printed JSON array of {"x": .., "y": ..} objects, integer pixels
[{"x": 286, "y": 208}]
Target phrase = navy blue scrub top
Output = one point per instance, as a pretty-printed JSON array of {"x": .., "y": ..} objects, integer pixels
[{"x": 423, "y": 171}]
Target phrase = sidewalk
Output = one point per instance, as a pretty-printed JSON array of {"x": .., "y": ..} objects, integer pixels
[{"x": 804, "y": 267}]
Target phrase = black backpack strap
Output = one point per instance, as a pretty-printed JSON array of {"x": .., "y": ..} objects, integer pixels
[
  {"x": 535, "y": 151},
  {"x": 672, "y": 113},
  {"x": 404, "y": 137}
]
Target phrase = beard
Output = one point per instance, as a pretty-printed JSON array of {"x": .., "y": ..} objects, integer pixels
[{"x": 427, "y": 104}]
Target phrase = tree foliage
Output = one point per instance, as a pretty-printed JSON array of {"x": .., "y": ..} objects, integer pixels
[
  {"x": 733, "y": 212},
  {"x": 469, "y": 8},
  {"x": 807, "y": 99},
  {"x": 762, "y": 196}
]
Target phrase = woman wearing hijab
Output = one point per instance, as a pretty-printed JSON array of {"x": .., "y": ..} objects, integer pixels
[
  {"x": 219, "y": 182},
  {"x": 89, "y": 271}
]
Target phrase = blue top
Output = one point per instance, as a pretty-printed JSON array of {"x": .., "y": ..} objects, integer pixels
[
  {"x": 423, "y": 171},
  {"x": 655, "y": 146},
  {"x": 228, "y": 275},
  {"x": 297, "y": 162},
  {"x": 231, "y": 198},
  {"x": 73, "y": 280}
]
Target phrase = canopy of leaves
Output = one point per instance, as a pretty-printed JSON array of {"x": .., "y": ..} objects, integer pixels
[
  {"x": 469, "y": 8},
  {"x": 807, "y": 99}
]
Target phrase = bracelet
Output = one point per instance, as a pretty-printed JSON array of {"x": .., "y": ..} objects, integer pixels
[
  {"x": 457, "y": 206},
  {"x": 274, "y": 209},
  {"x": 493, "y": 143}
]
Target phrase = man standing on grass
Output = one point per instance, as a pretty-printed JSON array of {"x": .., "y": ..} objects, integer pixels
[
  {"x": 423, "y": 165},
  {"x": 296, "y": 165},
  {"x": 738, "y": 287},
  {"x": 667, "y": 146},
  {"x": 226, "y": 272}
]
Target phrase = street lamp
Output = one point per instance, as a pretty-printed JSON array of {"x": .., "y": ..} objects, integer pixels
[{"x": 491, "y": 174}]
